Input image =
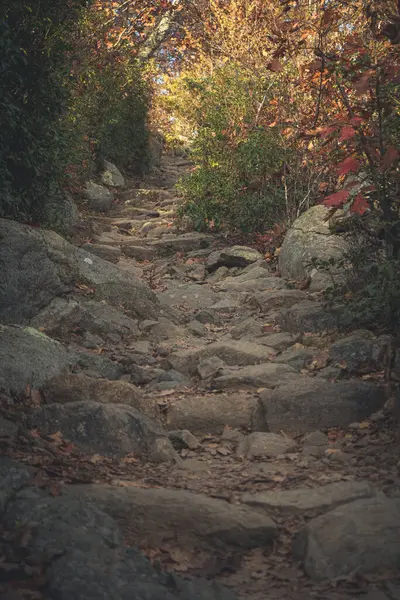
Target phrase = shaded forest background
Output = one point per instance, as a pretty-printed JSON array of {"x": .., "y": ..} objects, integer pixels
[{"x": 280, "y": 105}]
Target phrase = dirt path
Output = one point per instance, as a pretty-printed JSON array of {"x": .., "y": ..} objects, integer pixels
[
  {"x": 216, "y": 460},
  {"x": 204, "y": 360}
]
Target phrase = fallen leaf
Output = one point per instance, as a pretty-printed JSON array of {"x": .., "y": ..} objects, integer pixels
[
  {"x": 56, "y": 437},
  {"x": 330, "y": 451}
]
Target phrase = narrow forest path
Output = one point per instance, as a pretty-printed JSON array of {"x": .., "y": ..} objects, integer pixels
[
  {"x": 286, "y": 479},
  {"x": 227, "y": 352}
]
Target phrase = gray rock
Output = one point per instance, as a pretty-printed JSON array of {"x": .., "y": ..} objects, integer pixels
[
  {"x": 86, "y": 558},
  {"x": 305, "y": 404},
  {"x": 80, "y": 388},
  {"x": 303, "y": 499},
  {"x": 154, "y": 514},
  {"x": 310, "y": 316},
  {"x": 39, "y": 265},
  {"x": 111, "y": 175},
  {"x": 279, "y": 341},
  {"x": 196, "y": 272},
  {"x": 244, "y": 282},
  {"x": 360, "y": 352},
  {"x": 268, "y": 375},
  {"x": 218, "y": 275},
  {"x": 231, "y": 352},
  {"x": 192, "y": 294},
  {"x": 296, "y": 356},
  {"x": 234, "y": 256},
  {"x": 210, "y": 367},
  {"x": 97, "y": 365},
  {"x": 8, "y": 429},
  {"x": 197, "y": 328},
  {"x": 183, "y": 439},
  {"x": 106, "y": 429},
  {"x": 265, "y": 445},
  {"x": 64, "y": 316},
  {"x": 182, "y": 243},
  {"x": 29, "y": 357},
  {"x": 247, "y": 328},
  {"x": 110, "y": 253},
  {"x": 59, "y": 212},
  {"x": 267, "y": 300},
  {"x": 138, "y": 252},
  {"x": 13, "y": 477},
  {"x": 360, "y": 537},
  {"x": 210, "y": 414},
  {"x": 331, "y": 373},
  {"x": 310, "y": 238},
  {"x": 99, "y": 198},
  {"x": 315, "y": 438}
]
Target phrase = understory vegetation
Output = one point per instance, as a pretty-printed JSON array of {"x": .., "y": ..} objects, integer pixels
[
  {"x": 68, "y": 98},
  {"x": 280, "y": 105}
]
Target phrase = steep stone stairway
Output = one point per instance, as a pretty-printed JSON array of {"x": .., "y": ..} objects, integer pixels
[{"x": 279, "y": 475}]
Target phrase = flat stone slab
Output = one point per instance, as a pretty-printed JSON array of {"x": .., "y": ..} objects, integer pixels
[
  {"x": 156, "y": 514},
  {"x": 210, "y": 414},
  {"x": 305, "y": 404},
  {"x": 305, "y": 499},
  {"x": 360, "y": 537},
  {"x": 268, "y": 375},
  {"x": 105, "y": 429},
  {"x": 265, "y": 445},
  {"x": 232, "y": 352}
]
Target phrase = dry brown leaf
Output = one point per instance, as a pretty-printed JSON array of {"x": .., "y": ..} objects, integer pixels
[{"x": 56, "y": 437}]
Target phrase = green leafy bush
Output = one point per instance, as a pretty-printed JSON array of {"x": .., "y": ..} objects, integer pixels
[
  {"x": 65, "y": 103},
  {"x": 365, "y": 282},
  {"x": 33, "y": 50},
  {"x": 236, "y": 183}
]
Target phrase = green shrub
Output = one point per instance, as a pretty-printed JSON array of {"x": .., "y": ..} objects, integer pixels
[
  {"x": 236, "y": 183},
  {"x": 365, "y": 282},
  {"x": 33, "y": 51},
  {"x": 64, "y": 105}
]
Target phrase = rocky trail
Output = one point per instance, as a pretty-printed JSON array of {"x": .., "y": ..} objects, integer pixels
[{"x": 165, "y": 390}]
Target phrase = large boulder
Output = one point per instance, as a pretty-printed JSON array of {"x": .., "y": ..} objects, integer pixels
[
  {"x": 38, "y": 265},
  {"x": 310, "y": 238},
  {"x": 98, "y": 197},
  {"x": 311, "y": 316},
  {"x": 231, "y": 352},
  {"x": 306, "y": 499},
  {"x": 304, "y": 404},
  {"x": 105, "y": 429},
  {"x": 67, "y": 388},
  {"x": 360, "y": 537},
  {"x": 29, "y": 357},
  {"x": 170, "y": 244},
  {"x": 211, "y": 413},
  {"x": 63, "y": 316},
  {"x": 59, "y": 212},
  {"x": 83, "y": 550},
  {"x": 193, "y": 520},
  {"x": 360, "y": 352},
  {"x": 234, "y": 256},
  {"x": 111, "y": 175},
  {"x": 269, "y": 300},
  {"x": 268, "y": 375}
]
